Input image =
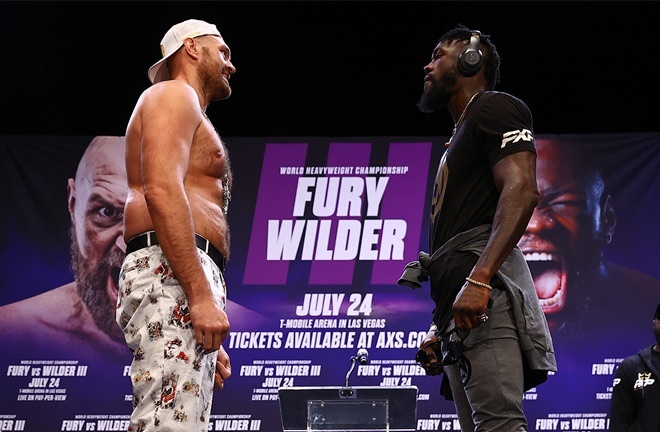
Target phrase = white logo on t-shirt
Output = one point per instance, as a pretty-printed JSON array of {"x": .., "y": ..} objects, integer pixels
[{"x": 515, "y": 136}]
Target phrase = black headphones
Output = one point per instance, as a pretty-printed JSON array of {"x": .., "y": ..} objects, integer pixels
[{"x": 470, "y": 60}]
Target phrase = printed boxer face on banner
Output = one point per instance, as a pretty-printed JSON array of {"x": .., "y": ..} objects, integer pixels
[
  {"x": 96, "y": 204},
  {"x": 564, "y": 240}
]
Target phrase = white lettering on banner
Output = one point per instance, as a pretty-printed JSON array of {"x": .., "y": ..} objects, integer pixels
[
  {"x": 573, "y": 422},
  {"x": 112, "y": 425},
  {"x": 339, "y": 196},
  {"x": 320, "y": 304},
  {"x": 368, "y": 370},
  {"x": 344, "y": 170},
  {"x": 530, "y": 396},
  {"x": 248, "y": 370},
  {"x": 258, "y": 340},
  {"x": 292, "y": 370},
  {"x": 231, "y": 422},
  {"x": 546, "y": 424},
  {"x": 437, "y": 424},
  {"x": 373, "y": 323},
  {"x": 396, "y": 381},
  {"x": 368, "y": 239},
  {"x": 38, "y": 382},
  {"x": 589, "y": 423},
  {"x": 73, "y": 425},
  {"x": 312, "y": 323},
  {"x": 273, "y": 382},
  {"x": 378, "y": 170},
  {"x": 231, "y": 425},
  {"x": 428, "y": 424},
  {"x": 602, "y": 369},
  {"x": 325, "y": 339},
  {"x": 366, "y": 339},
  {"x": 296, "y": 323},
  {"x": 354, "y": 239},
  {"x": 412, "y": 369},
  {"x": 320, "y": 340},
  {"x": 390, "y": 340},
  {"x": 326, "y": 170},
  {"x": 12, "y": 425},
  {"x": 325, "y": 323},
  {"x": 291, "y": 170},
  {"x": 59, "y": 371},
  {"x": 15, "y": 370},
  {"x": 329, "y": 304}
]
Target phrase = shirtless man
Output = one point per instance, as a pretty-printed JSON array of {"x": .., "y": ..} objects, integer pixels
[
  {"x": 172, "y": 293},
  {"x": 77, "y": 320}
]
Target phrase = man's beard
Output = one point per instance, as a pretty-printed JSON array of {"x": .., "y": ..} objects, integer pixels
[
  {"x": 212, "y": 80},
  {"x": 437, "y": 97},
  {"x": 91, "y": 284}
]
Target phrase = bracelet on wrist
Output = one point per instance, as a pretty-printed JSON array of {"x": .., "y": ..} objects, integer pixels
[{"x": 481, "y": 284}]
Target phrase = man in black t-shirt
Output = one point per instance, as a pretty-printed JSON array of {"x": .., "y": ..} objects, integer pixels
[
  {"x": 636, "y": 392},
  {"x": 488, "y": 331}
]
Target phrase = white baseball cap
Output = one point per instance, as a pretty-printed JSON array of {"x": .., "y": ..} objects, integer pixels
[{"x": 173, "y": 40}]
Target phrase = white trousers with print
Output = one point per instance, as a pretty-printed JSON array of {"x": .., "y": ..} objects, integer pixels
[{"x": 172, "y": 380}]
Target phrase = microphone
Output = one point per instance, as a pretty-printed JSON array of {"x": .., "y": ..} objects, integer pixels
[{"x": 362, "y": 356}]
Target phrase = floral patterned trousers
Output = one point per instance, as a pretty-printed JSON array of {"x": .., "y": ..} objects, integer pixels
[{"x": 172, "y": 380}]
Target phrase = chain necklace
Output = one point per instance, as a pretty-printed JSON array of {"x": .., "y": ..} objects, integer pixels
[
  {"x": 226, "y": 193},
  {"x": 460, "y": 119}
]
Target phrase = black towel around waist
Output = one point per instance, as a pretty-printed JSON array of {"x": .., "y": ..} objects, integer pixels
[{"x": 148, "y": 238}]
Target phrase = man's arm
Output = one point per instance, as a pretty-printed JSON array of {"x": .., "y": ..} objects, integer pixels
[
  {"x": 622, "y": 410},
  {"x": 170, "y": 118},
  {"x": 515, "y": 178}
]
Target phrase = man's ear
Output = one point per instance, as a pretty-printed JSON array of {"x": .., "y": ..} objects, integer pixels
[
  {"x": 192, "y": 47},
  {"x": 71, "y": 195},
  {"x": 608, "y": 219}
]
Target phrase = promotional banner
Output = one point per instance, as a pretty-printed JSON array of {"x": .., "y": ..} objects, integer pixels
[{"x": 321, "y": 230}]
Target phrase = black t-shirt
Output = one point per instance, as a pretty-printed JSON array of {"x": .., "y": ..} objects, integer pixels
[{"x": 494, "y": 126}]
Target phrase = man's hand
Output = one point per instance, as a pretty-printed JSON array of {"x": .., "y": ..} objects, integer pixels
[
  {"x": 222, "y": 369},
  {"x": 210, "y": 323},
  {"x": 471, "y": 301},
  {"x": 426, "y": 356}
]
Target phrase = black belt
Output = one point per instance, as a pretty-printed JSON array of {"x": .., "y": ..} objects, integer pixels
[{"x": 148, "y": 238}]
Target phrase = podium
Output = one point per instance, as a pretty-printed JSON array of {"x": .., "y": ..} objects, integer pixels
[{"x": 348, "y": 409}]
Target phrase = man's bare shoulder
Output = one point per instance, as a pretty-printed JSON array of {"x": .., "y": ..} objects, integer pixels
[
  {"x": 171, "y": 93},
  {"x": 48, "y": 308},
  {"x": 57, "y": 321},
  {"x": 167, "y": 105}
]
